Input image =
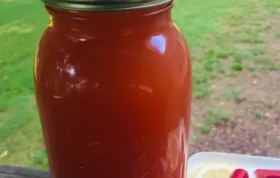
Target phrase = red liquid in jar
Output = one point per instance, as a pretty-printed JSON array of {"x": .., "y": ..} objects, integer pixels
[{"x": 114, "y": 92}]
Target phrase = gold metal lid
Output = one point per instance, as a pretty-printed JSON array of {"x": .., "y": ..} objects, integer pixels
[{"x": 104, "y": 5}]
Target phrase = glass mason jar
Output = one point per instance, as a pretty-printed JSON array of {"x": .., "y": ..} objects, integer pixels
[{"x": 113, "y": 88}]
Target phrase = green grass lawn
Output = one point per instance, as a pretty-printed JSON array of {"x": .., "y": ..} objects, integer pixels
[{"x": 21, "y": 25}]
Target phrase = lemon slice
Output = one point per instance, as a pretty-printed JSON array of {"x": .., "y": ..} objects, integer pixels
[{"x": 213, "y": 170}]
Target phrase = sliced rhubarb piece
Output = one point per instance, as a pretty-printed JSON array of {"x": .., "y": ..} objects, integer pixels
[
  {"x": 240, "y": 173},
  {"x": 265, "y": 173}
]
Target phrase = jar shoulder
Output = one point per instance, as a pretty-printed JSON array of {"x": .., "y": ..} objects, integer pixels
[
  {"x": 160, "y": 42},
  {"x": 125, "y": 54},
  {"x": 157, "y": 59}
]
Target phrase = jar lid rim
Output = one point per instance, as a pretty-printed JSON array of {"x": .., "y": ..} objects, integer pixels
[{"x": 104, "y": 5}]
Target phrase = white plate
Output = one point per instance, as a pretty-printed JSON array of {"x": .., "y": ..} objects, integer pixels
[{"x": 249, "y": 163}]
